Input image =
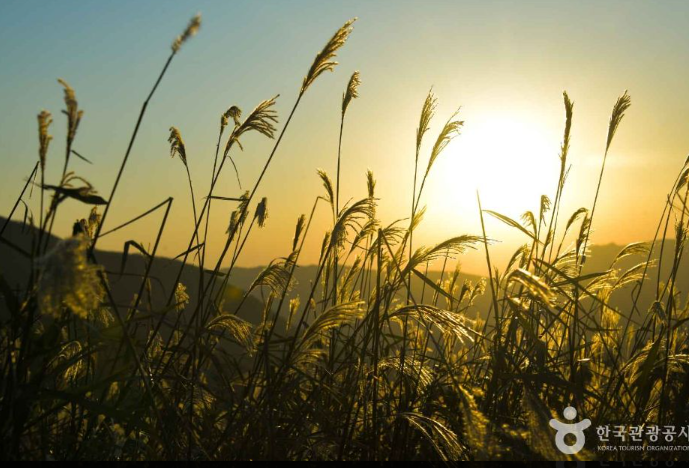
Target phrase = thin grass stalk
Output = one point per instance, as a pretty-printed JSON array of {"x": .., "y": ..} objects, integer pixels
[
  {"x": 19, "y": 198},
  {"x": 137, "y": 300},
  {"x": 268, "y": 336},
  {"x": 127, "y": 153},
  {"x": 248, "y": 202}
]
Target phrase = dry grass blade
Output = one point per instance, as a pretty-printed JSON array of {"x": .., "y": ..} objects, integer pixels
[
  {"x": 510, "y": 222},
  {"x": 85, "y": 194}
]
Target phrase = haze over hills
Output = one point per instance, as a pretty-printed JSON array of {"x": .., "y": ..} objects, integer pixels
[{"x": 125, "y": 283}]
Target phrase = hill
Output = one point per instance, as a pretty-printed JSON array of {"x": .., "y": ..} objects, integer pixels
[{"x": 15, "y": 269}]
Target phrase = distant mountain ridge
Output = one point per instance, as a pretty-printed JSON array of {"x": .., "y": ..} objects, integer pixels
[{"x": 15, "y": 268}]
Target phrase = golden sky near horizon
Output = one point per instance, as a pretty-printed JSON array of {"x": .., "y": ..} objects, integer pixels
[{"x": 506, "y": 66}]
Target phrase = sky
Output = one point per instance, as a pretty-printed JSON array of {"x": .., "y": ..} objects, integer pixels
[{"x": 504, "y": 63}]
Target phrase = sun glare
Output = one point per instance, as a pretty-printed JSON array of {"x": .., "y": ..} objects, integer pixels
[{"x": 509, "y": 159}]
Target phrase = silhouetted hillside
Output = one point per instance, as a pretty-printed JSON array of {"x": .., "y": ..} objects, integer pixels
[{"x": 16, "y": 268}]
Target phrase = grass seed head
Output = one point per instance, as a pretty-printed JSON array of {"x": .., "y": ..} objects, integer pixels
[
  {"x": 67, "y": 279},
  {"x": 177, "y": 145},
  {"x": 192, "y": 28},
  {"x": 324, "y": 59},
  {"x": 45, "y": 118},
  {"x": 352, "y": 91},
  {"x": 262, "y": 212},
  {"x": 623, "y": 103},
  {"x": 73, "y": 113}
]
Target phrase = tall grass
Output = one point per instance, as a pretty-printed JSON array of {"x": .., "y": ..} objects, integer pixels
[{"x": 359, "y": 368}]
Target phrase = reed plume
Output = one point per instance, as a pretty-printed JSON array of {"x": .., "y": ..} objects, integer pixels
[
  {"x": 324, "y": 59},
  {"x": 191, "y": 30},
  {"x": 262, "y": 120},
  {"x": 177, "y": 145},
  {"x": 261, "y": 214},
  {"x": 44, "y": 138},
  {"x": 352, "y": 91},
  {"x": 618, "y": 111},
  {"x": 72, "y": 111},
  {"x": 178, "y": 148}
]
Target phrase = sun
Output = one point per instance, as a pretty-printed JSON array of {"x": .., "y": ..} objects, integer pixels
[{"x": 510, "y": 159}]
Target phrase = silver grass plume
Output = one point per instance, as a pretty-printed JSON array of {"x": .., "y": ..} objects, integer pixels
[
  {"x": 569, "y": 108},
  {"x": 370, "y": 184},
  {"x": 67, "y": 279},
  {"x": 336, "y": 316},
  {"x": 275, "y": 276},
  {"x": 444, "y": 440},
  {"x": 181, "y": 297},
  {"x": 262, "y": 119},
  {"x": 618, "y": 111},
  {"x": 535, "y": 286},
  {"x": 45, "y": 118},
  {"x": 450, "y": 130},
  {"x": 351, "y": 93},
  {"x": 234, "y": 113},
  {"x": 238, "y": 330},
  {"x": 73, "y": 113},
  {"x": 261, "y": 214},
  {"x": 177, "y": 145},
  {"x": 328, "y": 185},
  {"x": 301, "y": 224},
  {"x": 427, "y": 113},
  {"x": 191, "y": 30},
  {"x": 324, "y": 59}
]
